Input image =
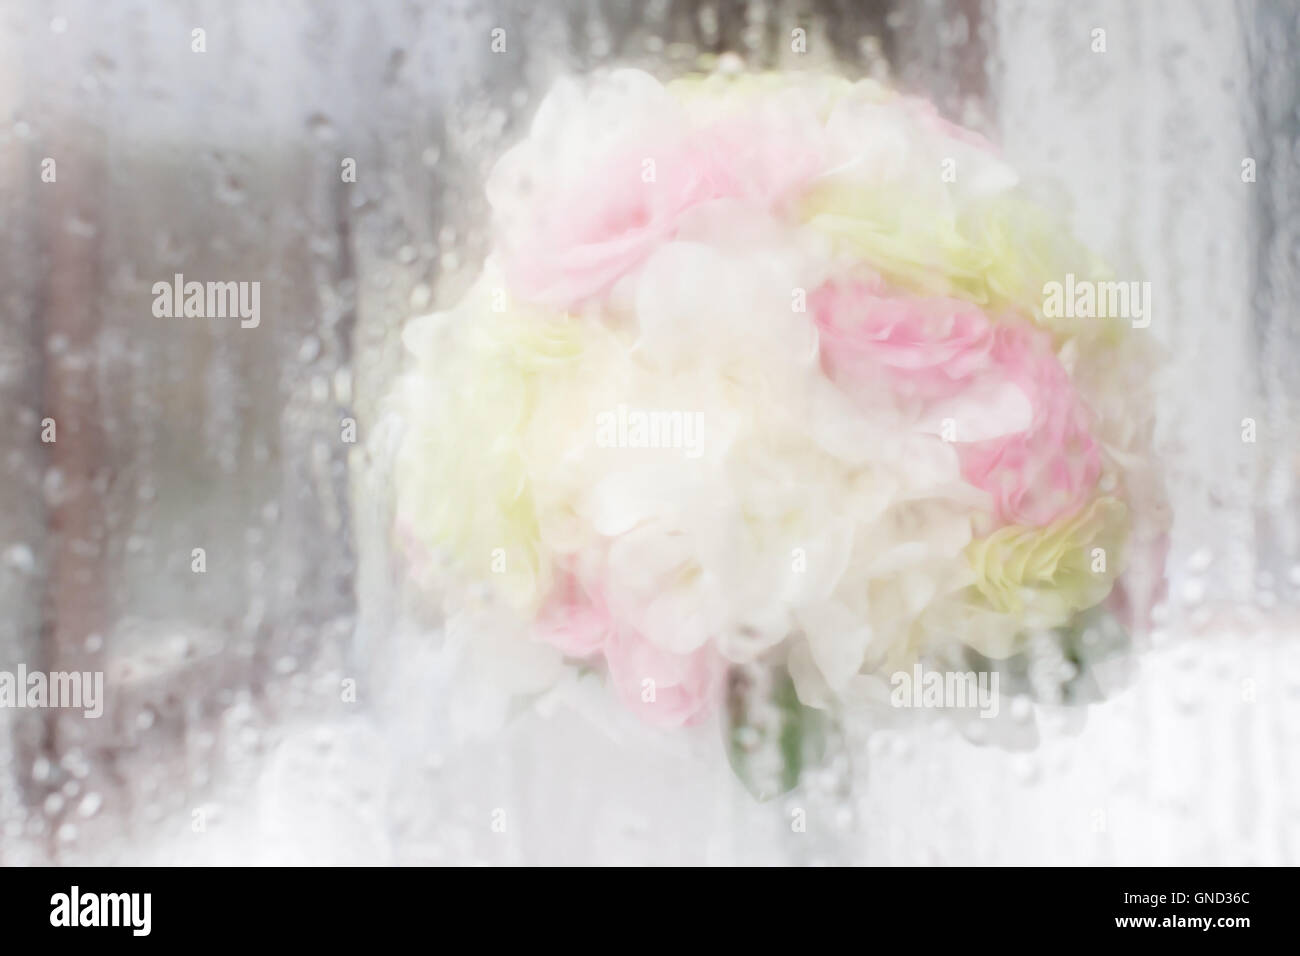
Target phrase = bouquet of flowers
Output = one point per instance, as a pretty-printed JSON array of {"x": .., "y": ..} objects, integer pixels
[{"x": 756, "y": 404}]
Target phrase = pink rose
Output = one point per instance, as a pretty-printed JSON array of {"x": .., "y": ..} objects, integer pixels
[
  {"x": 667, "y": 689},
  {"x": 571, "y": 622},
  {"x": 930, "y": 348},
  {"x": 936, "y": 350},
  {"x": 1050, "y": 469},
  {"x": 581, "y": 242}
]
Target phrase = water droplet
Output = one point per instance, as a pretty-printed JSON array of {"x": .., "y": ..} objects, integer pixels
[
  {"x": 81, "y": 228},
  {"x": 321, "y": 127},
  {"x": 75, "y": 763},
  {"x": 343, "y": 386},
  {"x": 1025, "y": 768},
  {"x": 20, "y": 558},
  {"x": 90, "y": 804},
  {"x": 731, "y": 62},
  {"x": 230, "y": 190},
  {"x": 309, "y": 349},
  {"x": 1021, "y": 709},
  {"x": 1193, "y": 591}
]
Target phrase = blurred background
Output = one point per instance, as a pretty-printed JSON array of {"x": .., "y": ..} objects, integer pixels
[{"x": 226, "y": 737}]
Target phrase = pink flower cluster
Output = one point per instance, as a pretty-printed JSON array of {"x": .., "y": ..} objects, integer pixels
[
  {"x": 584, "y": 239},
  {"x": 666, "y": 688},
  {"x": 931, "y": 349}
]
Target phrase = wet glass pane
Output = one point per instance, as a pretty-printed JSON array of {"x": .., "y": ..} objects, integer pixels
[{"x": 202, "y": 508}]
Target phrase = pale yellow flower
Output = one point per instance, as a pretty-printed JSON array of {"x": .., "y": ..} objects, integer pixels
[{"x": 1042, "y": 576}]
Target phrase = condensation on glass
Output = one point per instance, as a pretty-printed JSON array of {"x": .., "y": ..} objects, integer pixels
[{"x": 227, "y": 738}]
